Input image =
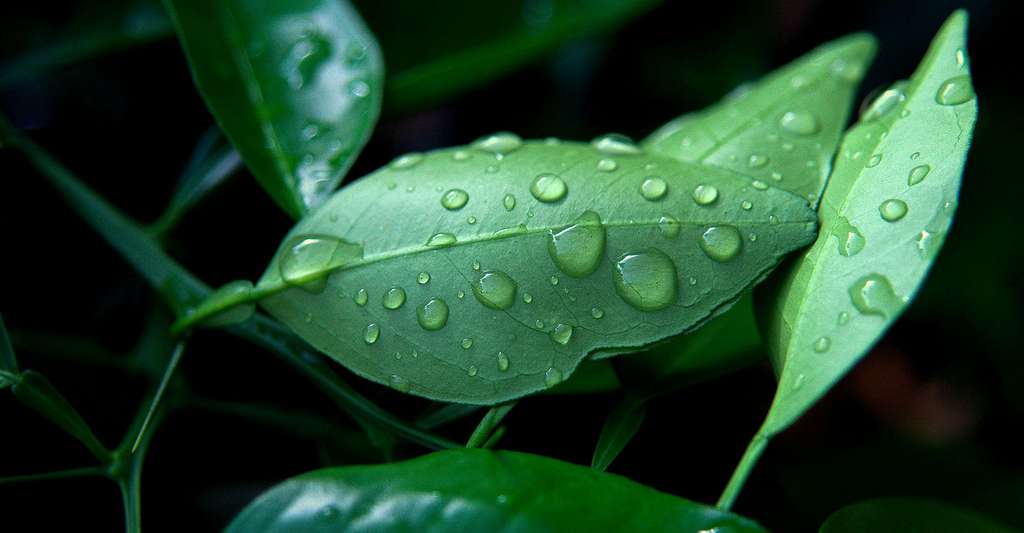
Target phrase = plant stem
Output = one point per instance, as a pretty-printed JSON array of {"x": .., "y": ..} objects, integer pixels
[
  {"x": 488, "y": 423},
  {"x": 179, "y": 349},
  {"x": 739, "y": 476},
  {"x": 73, "y": 473}
]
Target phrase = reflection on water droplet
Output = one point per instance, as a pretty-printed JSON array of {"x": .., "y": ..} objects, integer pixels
[
  {"x": 423, "y": 278},
  {"x": 394, "y": 298},
  {"x": 721, "y": 243},
  {"x": 553, "y": 280},
  {"x": 372, "y": 333},
  {"x": 502, "y": 143},
  {"x": 476, "y": 265},
  {"x": 799, "y": 122},
  {"x": 653, "y": 188},
  {"x": 929, "y": 241},
  {"x": 955, "y": 91},
  {"x": 552, "y": 377},
  {"x": 495, "y": 289},
  {"x": 918, "y": 174},
  {"x": 822, "y": 344},
  {"x": 578, "y": 248},
  {"x": 705, "y": 194},
  {"x": 439, "y": 240},
  {"x": 646, "y": 280},
  {"x": 874, "y": 295},
  {"x": 433, "y": 314},
  {"x": 509, "y": 202},
  {"x": 615, "y": 144},
  {"x": 548, "y": 188},
  {"x": 361, "y": 297},
  {"x": 893, "y": 210},
  {"x": 454, "y": 199},
  {"x": 358, "y": 88},
  {"x": 406, "y": 161}
]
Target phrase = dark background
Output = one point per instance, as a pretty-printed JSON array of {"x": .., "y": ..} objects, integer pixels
[{"x": 934, "y": 411}]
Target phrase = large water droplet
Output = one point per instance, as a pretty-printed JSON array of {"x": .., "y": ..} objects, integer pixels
[
  {"x": 503, "y": 362},
  {"x": 309, "y": 258},
  {"x": 440, "y": 240},
  {"x": 495, "y": 289},
  {"x": 799, "y": 122},
  {"x": 548, "y": 188},
  {"x": 705, "y": 194},
  {"x": 552, "y": 377},
  {"x": 372, "y": 333},
  {"x": 502, "y": 143},
  {"x": 454, "y": 199},
  {"x": 885, "y": 102},
  {"x": 918, "y": 174},
  {"x": 561, "y": 334},
  {"x": 433, "y": 314},
  {"x": 646, "y": 280},
  {"x": 721, "y": 243},
  {"x": 509, "y": 201},
  {"x": 578, "y": 248},
  {"x": 893, "y": 210},
  {"x": 955, "y": 91},
  {"x": 394, "y": 298},
  {"x": 653, "y": 188},
  {"x": 874, "y": 295},
  {"x": 851, "y": 241},
  {"x": 407, "y": 161},
  {"x": 615, "y": 144}
]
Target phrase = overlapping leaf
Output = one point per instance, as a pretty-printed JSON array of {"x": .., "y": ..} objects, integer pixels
[
  {"x": 902, "y": 515},
  {"x": 476, "y": 490}
]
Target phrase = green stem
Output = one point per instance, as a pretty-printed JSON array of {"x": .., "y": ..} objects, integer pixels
[
  {"x": 739, "y": 476},
  {"x": 89, "y": 471},
  {"x": 172, "y": 364},
  {"x": 487, "y": 424}
]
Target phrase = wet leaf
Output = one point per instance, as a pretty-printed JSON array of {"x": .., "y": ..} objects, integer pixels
[
  {"x": 905, "y": 515},
  {"x": 482, "y": 273},
  {"x": 782, "y": 130},
  {"x": 294, "y": 84},
  {"x": 476, "y": 490}
]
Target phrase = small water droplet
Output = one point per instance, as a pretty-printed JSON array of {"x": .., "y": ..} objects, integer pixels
[
  {"x": 539, "y": 323},
  {"x": 372, "y": 333},
  {"x": 888, "y": 100},
  {"x": 757, "y": 161},
  {"x": 874, "y": 161},
  {"x": 398, "y": 383},
  {"x": 615, "y": 144},
  {"x": 308, "y": 318},
  {"x": 607, "y": 165},
  {"x": 433, "y": 314},
  {"x": 495, "y": 289},
  {"x": 721, "y": 243},
  {"x": 552, "y": 377},
  {"x": 394, "y": 298},
  {"x": 310, "y": 132},
  {"x": 358, "y": 88},
  {"x": 799, "y": 381},
  {"x": 439, "y": 240},
  {"x": 759, "y": 185},
  {"x": 893, "y": 210},
  {"x": 460, "y": 155},
  {"x": 746, "y": 205},
  {"x": 915, "y": 155},
  {"x": 548, "y": 188},
  {"x": 705, "y": 194},
  {"x": 851, "y": 241},
  {"x": 562, "y": 333},
  {"x": 653, "y": 188},
  {"x": 461, "y": 294},
  {"x": 553, "y": 280},
  {"x": 466, "y": 343},
  {"x": 423, "y": 278},
  {"x": 930, "y": 239},
  {"x": 361, "y": 297},
  {"x": 777, "y": 176},
  {"x": 849, "y": 71},
  {"x": 492, "y": 169},
  {"x": 476, "y": 265},
  {"x": 822, "y": 344},
  {"x": 955, "y": 91},
  {"x": 510, "y": 202},
  {"x": 472, "y": 370},
  {"x": 577, "y": 249},
  {"x": 874, "y": 295},
  {"x": 646, "y": 280},
  {"x": 918, "y": 174},
  {"x": 669, "y": 226},
  {"x": 454, "y": 199},
  {"x": 596, "y": 312},
  {"x": 406, "y": 161},
  {"x": 502, "y": 143},
  {"x": 961, "y": 57},
  {"x": 503, "y": 362},
  {"x": 527, "y": 298},
  {"x": 799, "y": 122},
  {"x": 843, "y": 318}
]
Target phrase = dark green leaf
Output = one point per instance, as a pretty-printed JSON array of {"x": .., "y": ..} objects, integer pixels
[
  {"x": 485, "y": 429},
  {"x": 591, "y": 377},
  {"x": 431, "y": 279},
  {"x": 295, "y": 84},
  {"x": 476, "y": 490},
  {"x": 37, "y": 393},
  {"x": 904, "y": 515},
  {"x": 884, "y": 215},
  {"x": 8, "y": 363},
  {"x": 620, "y": 427},
  {"x": 783, "y": 130}
]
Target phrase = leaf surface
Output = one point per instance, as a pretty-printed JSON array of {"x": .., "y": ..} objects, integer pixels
[
  {"x": 905, "y": 515},
  {"x": 784, "y": 129},
  {"x": 884, "y": 216},
  {"x": 483, "y": 273},
  {"x": 295, "y": 85},
  {"x": 476, "y": 490}
]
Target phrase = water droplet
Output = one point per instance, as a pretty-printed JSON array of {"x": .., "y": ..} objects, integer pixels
[
  {"x": 955, "y": 91},
  {"x": 822, "y": 344},
  {"x": 615, "y": 144},
  {"x": 874, "y": 161},
  {"x": 843, "y": 318},
  {"x": 310, "y": 132},
  {"x": 476, "y": 265},
  {"x": 510, "y": 202},
  {"x": 309, "y": 258},
  {"x": 472, "y": 370},
  {"x": 759, "y": 185},
  {"x": 492, "y": 169},
  {"x": 578, "y": 248},
  {"x": 361, "y": 297},
  {"x": 439, "y": 240},
  {"x": 398, "y": 383},
  {"x": 893, "y": 210},
  {"x": 705, "y": 194},
  {"x": 433, "y": 314},
  {"x": 548, "y": 188},
  {"x": 890, "y": 99},
  {"x": 561, "y": 334},
  {"x": 787, "y": 146},
  {"x": 799, "y": 122},
  {"x": 607, "y": 165},
  {"x": 918, "y": 174},
  {"x": 646, "y": 280},
  {"x": 669, "y": 226},
  {"x": 777, "y": 176},
  {"x": 799, "y": 381},
  {"x": 394, "y": 298},
  {"x": 461, "y": 294},
  {"x": 466, "y": 343},
  {"x": 502, "y": 143},
  {"x": 495, "y": 289},
  {"x": 874, "y": 295},
  {"x": 721, "y": 243},
  {"x": 757, "y": 161},
  {"x": 358, "y": 88},
  {"x": 552, "y": 377},
  {"x": 372, "y": 333},
  {"x": 503, "y": 362},
  {"x": 653, "y": 188},
  {"x": 355, "y": 53},
  {"x": 596, "y": 312},
  {"x": 849, "y": 71},
  {"x": 539, "y": 324},
  {"x": 406, "y": 161},
  {"x": 915, "y": 155},
  {"x": 553, "y": 280},
  {"x": 460, "y": 155},
  {"x": 929, "y": 241},
  {"x": 851, "y": 241},
  {"x": 746, "y": 205},
  {"x": 454, "y": 199},
  {"x": 423, "y": 278}
]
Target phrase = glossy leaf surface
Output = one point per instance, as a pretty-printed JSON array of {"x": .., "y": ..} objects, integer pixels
[
  {"x": 784, "y": 129},
  {"x": 483, "y": 273},
  {"x": 884, "y": 216},
  {"x": 904, "y": 515},
  {"x": 475, "y": 490},
  {"x": 295, "y": 84}
]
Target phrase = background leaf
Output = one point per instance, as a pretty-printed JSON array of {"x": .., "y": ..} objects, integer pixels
[
  {"x": 908, "y": 516},
  {"x": 784, "y": 129},
  {"x": 476, "y": 490},
  {"x": 295, "y": 84},
  {"x": 620, "y": 427},
  {"x": 8, "y": 362},
  {"x": 37, "y": 393},
  {"x": 564, "y": 249}
]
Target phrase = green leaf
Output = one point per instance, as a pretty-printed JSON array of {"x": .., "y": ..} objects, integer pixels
[
  {"x": 8, "y": 363},
  {"x": 476, "y": 490},
  {"x": 295, "y": 84},
  {"x": 620, "y": 427},
  {"x": 784, "y": 129},
  {"x": 37, "y": 393},
  {"x": 439, "y": 50},
  {"x": 485, "y": 429},
  {"x": 426, "y": 277},
  {"x": 591, "y": 377},
  {"x": 884, "y": 215},
  {"x": 905, "y": 515}
]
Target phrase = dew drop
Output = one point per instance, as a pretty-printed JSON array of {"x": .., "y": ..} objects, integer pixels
[
  {"x": 596, "y": 312},
  {"x": 440, "y": 240},
  {"x": 495, "y": 289},
  {"x": 460, "y": 155},
  {"x": 851, "y": 241},
  {"x": 492, "y": 169},
  {"x": 548, "y": 188},
  {"x": 669, "y": 226},
  {"x": 799, "y": 122},
  {"x": 615, "y": 144},
  {"x": 885, "y": 102},
  {"x": 874, "y": 161},
  {"x": 433, "y": 314},
  {"x": 398, "y": 383},
  {"x": 757, "y": 161},
  {"x": 578, "y": 248},
  {"x": 361, "y": 297},
  {"x": 705, "y": 194},
  {"x": 502, "y": 143},
  {"x": 527, "y": 298},
  {"x": 460, "y": 294},
  {"x": 822, "y": 344},
  {"x": 552, "y": 377},
  {"x": 394, "y": 298},
  {"x": 561, "y": 334},
  {"x": 874, "y": 295},
  {"x": 358, "y": 88},
  {"x": 843, "y": 318},
  {"x": 454, "y": 199},
  {"x": 918, "y": 174},
  {"x": 955, "y": 91},
  {"x": 607, "y": 165},
  {"x": 509, "y": 201},
  {"x": 466, "y": 343},
  {"x": 476, "y": 265},
  {"x": 423, "y": 278},
  {"x": 503, "y": 362},
  {"x": 759, "y": 185},
  {"x": 472, "y": 370},
  {"x": 746, "y": 205},
  {"x": 539, "y": 324},
  {"x": 372, "y": 333},
  {"x": 721, "y": 243},
  {"x": 309, "y": 258},
  {"x": 406, "y": 161},
  {"x": 893, "y": 210},
  {"x": 646, "y": 280},
  {"x": 553, "y": 280},
  {"x": 930, "y": 239},
  {"x": 653, "y": 188}
]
